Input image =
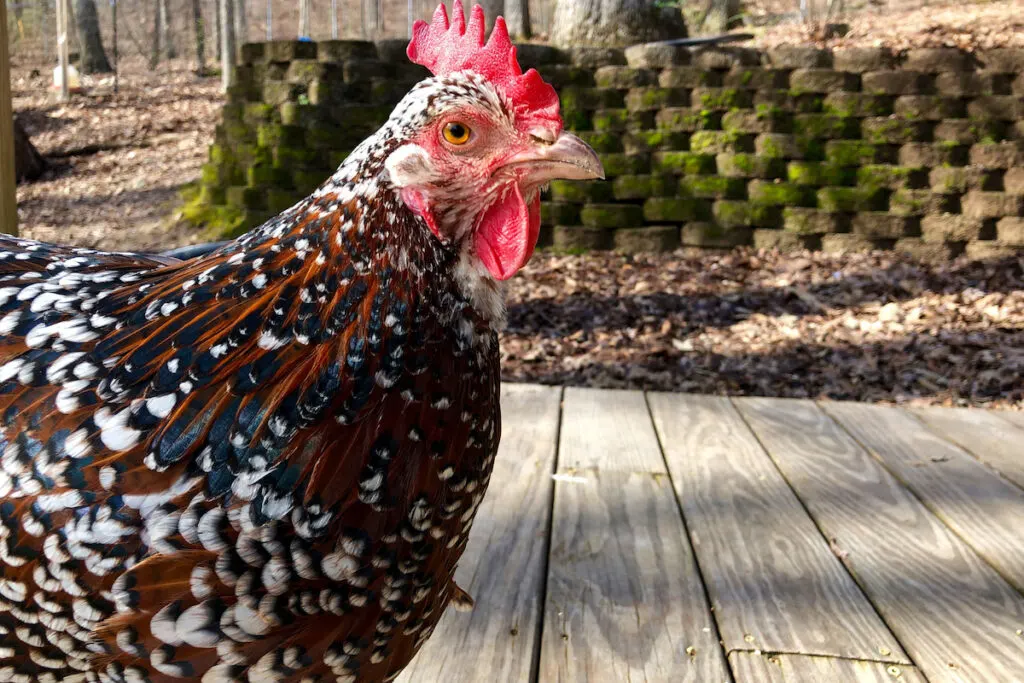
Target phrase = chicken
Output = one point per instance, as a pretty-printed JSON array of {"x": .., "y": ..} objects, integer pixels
[{"x": 263, "y": 464}]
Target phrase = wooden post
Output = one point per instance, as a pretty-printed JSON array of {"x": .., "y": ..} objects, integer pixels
[
  {"x": 62, "y": 47},
  {"x": 8, "y": 198}
]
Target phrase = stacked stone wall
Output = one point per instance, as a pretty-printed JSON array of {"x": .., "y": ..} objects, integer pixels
[{"x": 794, "y": 147}]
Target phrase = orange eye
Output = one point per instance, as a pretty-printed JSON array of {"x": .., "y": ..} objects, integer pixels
[{"x": 456, "y": 133}]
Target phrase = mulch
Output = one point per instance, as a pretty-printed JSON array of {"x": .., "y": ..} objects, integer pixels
[{"x": 877, "y": 327}]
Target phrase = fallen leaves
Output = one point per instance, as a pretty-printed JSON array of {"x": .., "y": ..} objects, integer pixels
[{"x": 871, "y": 327}]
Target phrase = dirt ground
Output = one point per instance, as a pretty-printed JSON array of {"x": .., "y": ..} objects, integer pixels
[{"x": 874, "y": 327}]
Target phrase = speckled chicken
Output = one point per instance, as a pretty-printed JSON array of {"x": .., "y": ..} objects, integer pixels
[{"x": 263, "y": 464}]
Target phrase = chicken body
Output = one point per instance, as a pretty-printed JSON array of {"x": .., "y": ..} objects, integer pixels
[{"x": 262, "y": 465}]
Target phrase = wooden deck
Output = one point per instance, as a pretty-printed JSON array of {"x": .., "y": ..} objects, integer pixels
[{"x": 670, "y": 538}]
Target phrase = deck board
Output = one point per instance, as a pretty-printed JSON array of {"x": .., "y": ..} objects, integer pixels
[
  {"x": 774, "y": 582},
  {"x": 624, "y": 599},
  {"x": 993, "y": 440},
  {"x": 503, "y": 566},
  {"x": 955, "y": 616},
  {"x": 985, "y": 509},
  {"x": 749, "y": 667}
]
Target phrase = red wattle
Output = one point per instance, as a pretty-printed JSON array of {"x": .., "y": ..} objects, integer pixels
[{"x": 507, "y": 234}]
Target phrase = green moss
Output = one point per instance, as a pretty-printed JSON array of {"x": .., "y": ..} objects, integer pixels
[
  {"x": 625, "y": 164},
  {"x": 559, "y": 213},
  {"x": 827, "y": 126},
  {"x": 671, "y": 209},
  {"x": 850, "y": 152},
  {"x": 602, "y": 142},
  {"x": 294, "y": 157},
  {"x": 611, "y": 119},
  {"x": 780, "y": 194},
  {"x": 272, "y": 134},
  {"x": 723, "y": 98},
  {"x": 711, "y": 187},
  {"x": 684, "y": 163},
  {"x": 643, "y": 186},
  {"x": 736, "y": 214},
  {"x": 850, "y": 199},
  {"x": 884, "y": 175},
  {"x": 266, "y": 175},
  {"x": 715, "y": 141},
  {"x": 819, "y": 173},
  {"x": 611, "y": 215},
  {"x": 580, "y": 191}
]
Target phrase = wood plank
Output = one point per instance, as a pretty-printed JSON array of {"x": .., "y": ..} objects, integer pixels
[
  {"x": 503, "y": 566},
  {"x": 994, "y": 441},
  {"x": 624, "y": 599},
  {"x": 750, "y": 667},
  {"x": 773, "y": 580},
  {"x": 955, "y": 616},
  {"x": 1012, "y": 416},
  {"x": 8, "y": 195},
  {"x": 986, "y": 510}
]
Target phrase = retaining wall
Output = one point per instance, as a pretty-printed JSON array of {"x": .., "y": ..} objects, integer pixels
[{"x": 791, "y": 147}]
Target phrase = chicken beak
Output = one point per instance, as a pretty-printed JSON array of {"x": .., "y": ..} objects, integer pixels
[{"x": 567, "y": 158}]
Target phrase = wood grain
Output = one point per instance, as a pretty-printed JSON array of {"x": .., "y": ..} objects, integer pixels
[
  {"x": 955, "y": 616},
  {"x": 8, "y": 197},
  {"x": 773, "y": 580},
  {"x": 994, "y": 441},
  {"x": 624, "y": 599},
  {"x": 503, "y": 567},
  {"x": 985, "y": 509},
  {"x": 1013, "y": 417},
  {"x": 748, "y": 667}
]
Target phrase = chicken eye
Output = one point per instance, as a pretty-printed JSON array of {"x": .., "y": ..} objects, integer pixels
[{"x": 456, "y": 133}]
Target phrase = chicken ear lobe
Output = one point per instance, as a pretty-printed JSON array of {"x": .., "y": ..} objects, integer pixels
[{"x": 507, "y": 233}]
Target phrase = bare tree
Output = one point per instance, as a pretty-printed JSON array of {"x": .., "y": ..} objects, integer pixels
[
  {"x": 241, "y": 22},
  {"x": 154, "y": 54},
  {"x": 712, "y": 17},
  {"x": 517, "y": 16},
  {"x": 614, "y": 22},
  {"x": 93, "y": 58},
  {"x": 28, "y": 162},
  {"x": 227, "y": 48},
  {"x": 492, "y": 10},
  {"x": 304, "y": 12},
  {"x": 170, "y": 50},
  {"x": 217, "y": 35},
  {"x": 372, "y": 19},
  {"x": 200, "y": 32}
]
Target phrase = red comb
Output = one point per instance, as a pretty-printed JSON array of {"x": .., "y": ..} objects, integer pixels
[{"x": 446, "y": 47}]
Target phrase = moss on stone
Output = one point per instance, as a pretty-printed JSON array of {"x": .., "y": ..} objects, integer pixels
[
  {"x": 671, "y": 209},
  {"x": 712, "y": 186},
  {"x": 626, "y": 164},
  {"x": 684, "y": 163},
  {"x": 743, "y": 165},
  {"x": 721, "y": 98},
  {"x": 559, "y": 213},
  {"x": 643, "y": 186},
  {"x": 611, "y": 215},
  {"x": 601, "y": 141},
  {"x": 850, "y": 152},
  {"x": 733, "y": 214},
  {"x": 850, "y": 199},
  {"x": 766, "y": 193},
  {"x": 611, "y": 119},
  {"x": 888, "y": 176},
  {"x": 716, "y": 141},
  {"x": 580, "y": 191},
  {"x": 824, "y": 126},
  {"x": 819, "y": 173},
  {"x": 687, "y": 119}
]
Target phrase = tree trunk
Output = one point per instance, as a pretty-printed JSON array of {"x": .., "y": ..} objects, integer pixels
[
  {"x": 200, "y": 31},
  {"x": 517, "y": 16},
  {"x": 492, "y": 10},
  {"x": 170, "y": 50},
  {"x": 712, "y": 17},
  {"x": 93, "y": 59},
  {"x": 241, "y": 23},
  {"x": 227, "y": 47},
  {"x": 28, "y": 162},
  {"x": 614, "y": 23},
  {"x": 217, "y": 39},
  {"x": 154, "y": 54},
  {"x": 304, "y": 10},
  {"x": 371, "y": 19}
]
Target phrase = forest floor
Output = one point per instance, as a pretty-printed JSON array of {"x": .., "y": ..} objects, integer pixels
[{"x": 876, "y": 327}]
